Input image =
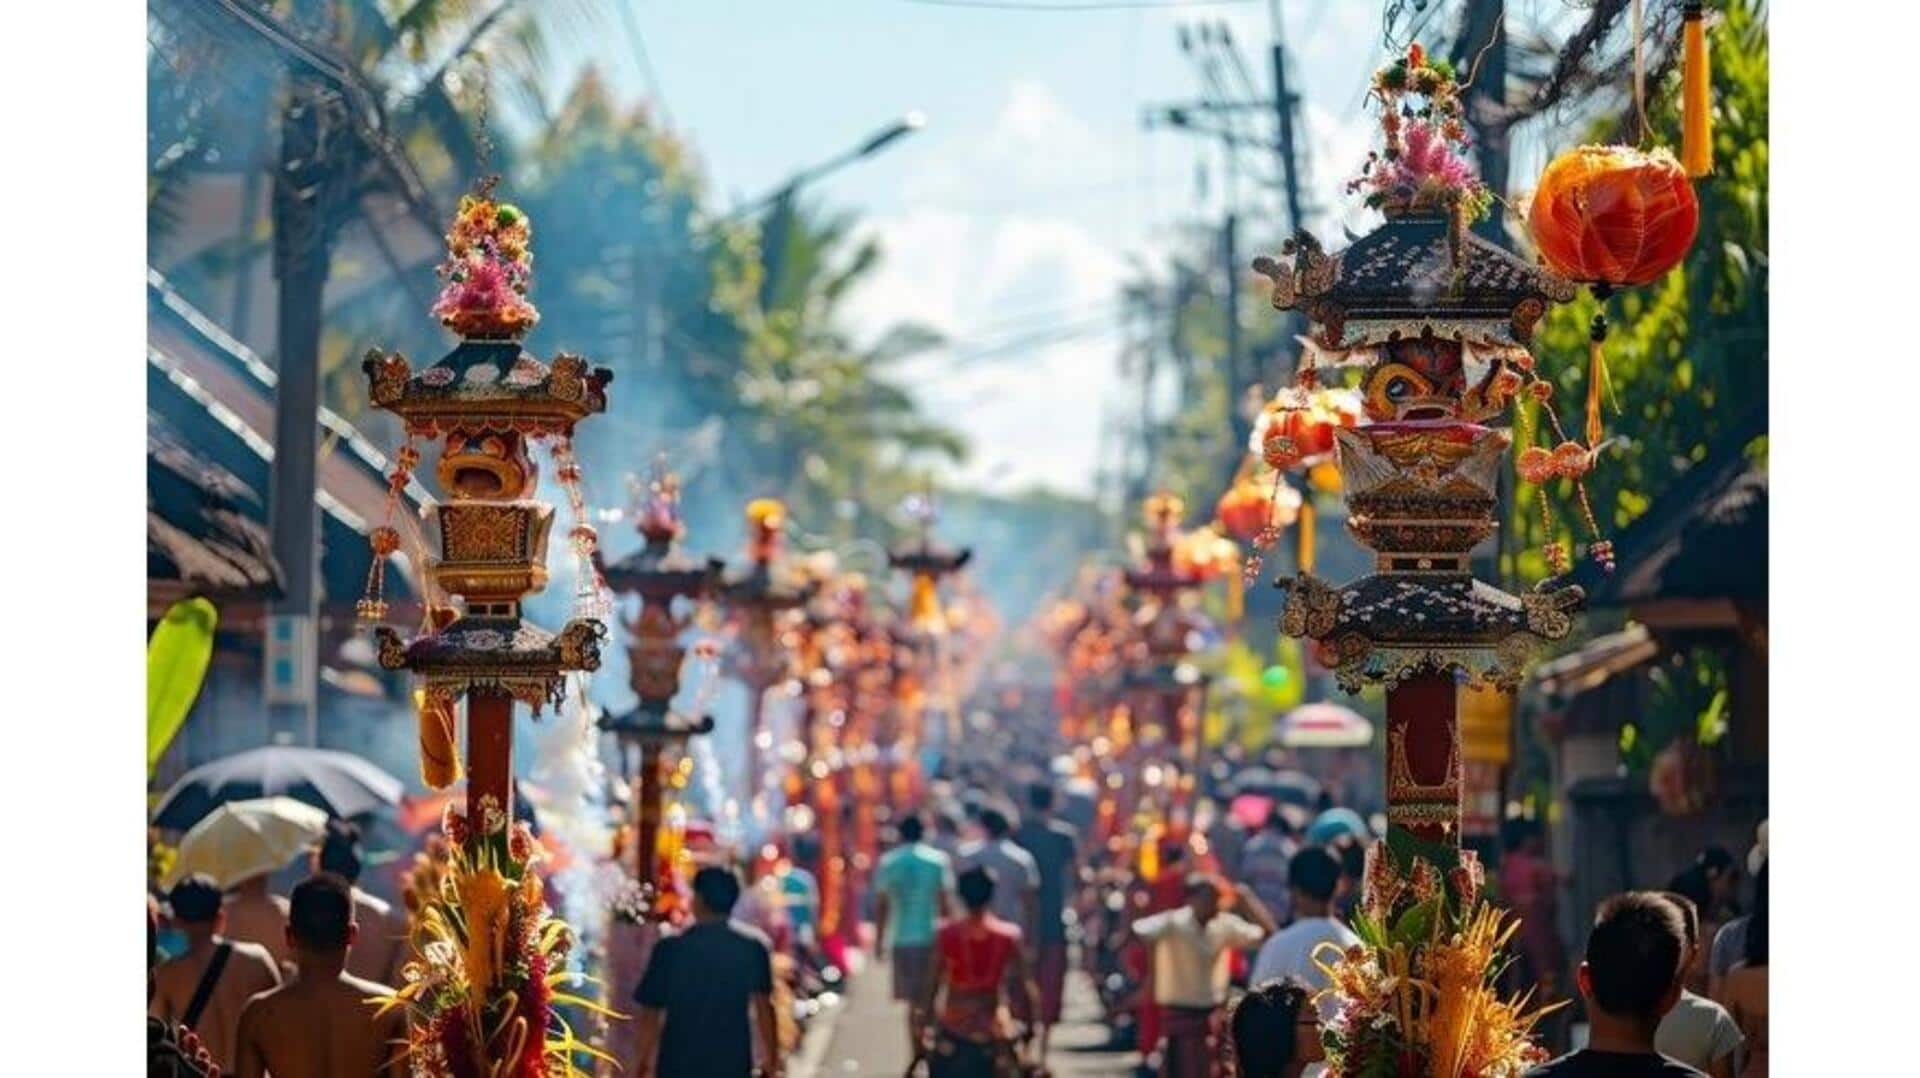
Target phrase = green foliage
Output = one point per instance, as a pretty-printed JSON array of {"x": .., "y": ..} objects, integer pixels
[
  {"x": 1415, "y": 925},
  {"x": 1687, "y": 355},
  {"x": 178, "y": 653},
  {"x": 1690, "y": 696}
]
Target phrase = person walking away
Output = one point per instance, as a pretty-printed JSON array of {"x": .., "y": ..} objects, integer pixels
[
  {"x": 1352, "y": 855},
  {"x": 1698, "y": 1031},
  {"x": 257, "y": 915},
  {"x": 1276, "y": 1030},
  {"x": 910, "y": 895},
  {"x": 700, "y": 988},
  {"x": 1055, "y": 852},
  {"x": 206, "y": 988},
  {"x": 321, "y": 1023},
  {"x": 1313, "y": 877},
  {"x": 975, "y": 957},
  {"x": 381, "y": 948},
  {"x": 1016, "y": 878},
  {"x": 1191, "y": 945},
  {"x": 1744, "y": 990},
  {"x": 1630, "y": 980},
  {"x": 1265, "y": 861},
  {"x": 1530, "y": 887},
  {"x": 801, "y": 891}
]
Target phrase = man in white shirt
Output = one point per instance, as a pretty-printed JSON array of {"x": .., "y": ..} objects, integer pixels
[
  {"x": 1697, "y": 1031},
  {"x": 1312, "y": 878},
  {"x": 1190, "y": 976}
]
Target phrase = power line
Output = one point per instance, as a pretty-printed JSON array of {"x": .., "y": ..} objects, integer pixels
[{"x": 645, "y": 64}]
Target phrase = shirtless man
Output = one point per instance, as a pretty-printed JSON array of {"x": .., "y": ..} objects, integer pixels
[
  {"x": 381, "y": 948},
  {"x": 320, "y": 1024},
  {"x": 245, "y": 971},
  {"x": 257, "y": 915}
]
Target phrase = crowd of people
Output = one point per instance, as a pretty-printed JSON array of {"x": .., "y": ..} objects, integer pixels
[{"x": 1199, "y": 945}]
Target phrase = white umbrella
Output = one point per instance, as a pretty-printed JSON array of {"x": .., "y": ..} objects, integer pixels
[{"x": 243, "y": 839}]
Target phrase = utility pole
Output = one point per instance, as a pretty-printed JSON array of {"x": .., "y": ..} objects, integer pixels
[
  {"x": 318, "y": 159},
  {"x": 1285, "y": 103},
  {"x": 1480, "y": 52}
]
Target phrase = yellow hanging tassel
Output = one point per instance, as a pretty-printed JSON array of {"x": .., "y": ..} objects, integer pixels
[
  {"x": 439, "y": 754},
  {"x": 1305, "y": 524},
  {"x": 1596, "y": 378},
  {"x": 1696, "y": 111},
  {"x": 1236, "y": 595}
]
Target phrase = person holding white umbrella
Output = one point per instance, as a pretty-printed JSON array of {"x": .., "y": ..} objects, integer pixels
[{"x": 238, "y": 845}]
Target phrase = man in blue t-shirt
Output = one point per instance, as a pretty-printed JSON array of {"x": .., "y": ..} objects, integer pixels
[{"x": 911, "y": 887}]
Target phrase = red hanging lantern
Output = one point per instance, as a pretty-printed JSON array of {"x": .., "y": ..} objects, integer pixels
[
  {"x": 1297, "y": 426},
  {"x": 1251, "y": 506},
  {"x": 1613, "y": 215}
]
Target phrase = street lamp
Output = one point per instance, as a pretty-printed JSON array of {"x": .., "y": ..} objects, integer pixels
[{"x": 874, "y": 143}]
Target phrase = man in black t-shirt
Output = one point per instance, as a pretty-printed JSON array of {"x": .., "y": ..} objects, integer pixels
[
  {"x": 1630, "y": 979},
  {"x": 1052, "y": 845},
  {"x": 699, "y": 985}
]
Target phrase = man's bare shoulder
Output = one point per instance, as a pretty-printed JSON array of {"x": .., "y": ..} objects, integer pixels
[{"x": 254, "y": 952}]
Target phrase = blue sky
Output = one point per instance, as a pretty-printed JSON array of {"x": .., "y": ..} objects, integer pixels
[{"x": 1023, "y": 201}]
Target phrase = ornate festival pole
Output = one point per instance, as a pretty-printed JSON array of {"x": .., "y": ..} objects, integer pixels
[
  {"x": 1165, "y": 688},
  {"x": 759, "y": 597},
  {"x": 478, "y": 995},
  {"x": 1439, "y": 320},
  {"x": 658, "y": 574},
  {"x": 924, "y": 680}
]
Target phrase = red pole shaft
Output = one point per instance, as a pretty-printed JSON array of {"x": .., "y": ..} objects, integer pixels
[
  {"x": 652, "y": 808},
  {"x": 1423, "y": 757},
  {"x": 489, "y": 755}
]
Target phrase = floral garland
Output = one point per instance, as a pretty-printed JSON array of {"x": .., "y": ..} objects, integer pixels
[
  {"x": 1415, "y": 996},
  {"x": 488, "y": 959},
  {"x": 1421, "y": 165},
  {"x": 488, "y": 270}
]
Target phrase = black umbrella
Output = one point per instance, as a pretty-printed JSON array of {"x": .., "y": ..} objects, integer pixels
[
  {"x": 1288, "y": 785},
  {"x": 341, "y": 783}
]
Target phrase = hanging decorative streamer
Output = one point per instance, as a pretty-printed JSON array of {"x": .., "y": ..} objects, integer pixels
[
  {"x": 385, "y": 539},
  {"x": 1306, "y": 535},
  {"x": 1696, "y": 106},
  {"x": 1596, "y": 378},
  {"x": 590, "y": 596},
  {"x": 439, "y": 748}
]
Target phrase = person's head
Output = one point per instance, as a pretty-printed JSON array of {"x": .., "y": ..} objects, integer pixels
[
  {"x": 1040, "y": 798},
  {"x": 1203, "y": 895},
  {"x": 1276, "y": 1029},
  {"x": 976, "y": 888},
  {"x": 1721, "y": 871},
  {"x": 715, "y": 890},
  {"x": 1277, "y": 821},
  {"x": 339, "y": 851},
  {"x": 912, "y": 830},
  {"x": 1312, "y": 877},
  {"x": 1691, "y": 884},
  {"x": 1690, "y": 917},
  {"x": 806, "y": 848},
  {"x": 320, "y": 916},
  {"x": 198, "y": 906},
  {"x": 1632, "y": 970},
  {"x": 1523, "y": 835},
  {"x": 1756, "y": 949},
  {"x": 995, "y": 823}
]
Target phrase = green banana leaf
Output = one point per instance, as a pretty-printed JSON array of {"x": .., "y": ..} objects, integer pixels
[{"x": 177, "y": 657}]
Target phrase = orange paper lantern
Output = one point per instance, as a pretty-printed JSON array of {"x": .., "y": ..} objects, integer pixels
[
  {"x": 1251, "y": 505},
  {"x": 1613, "y": 215}
]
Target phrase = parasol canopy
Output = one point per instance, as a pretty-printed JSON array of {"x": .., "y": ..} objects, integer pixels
[
  {"x": 1335, "y": 822},
  {"x": 1288, "y": 785},
  {"x": 242, "y": 839},
  {"x": 1325, "y": 726},
  {"x": 340, "y": 783}
]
